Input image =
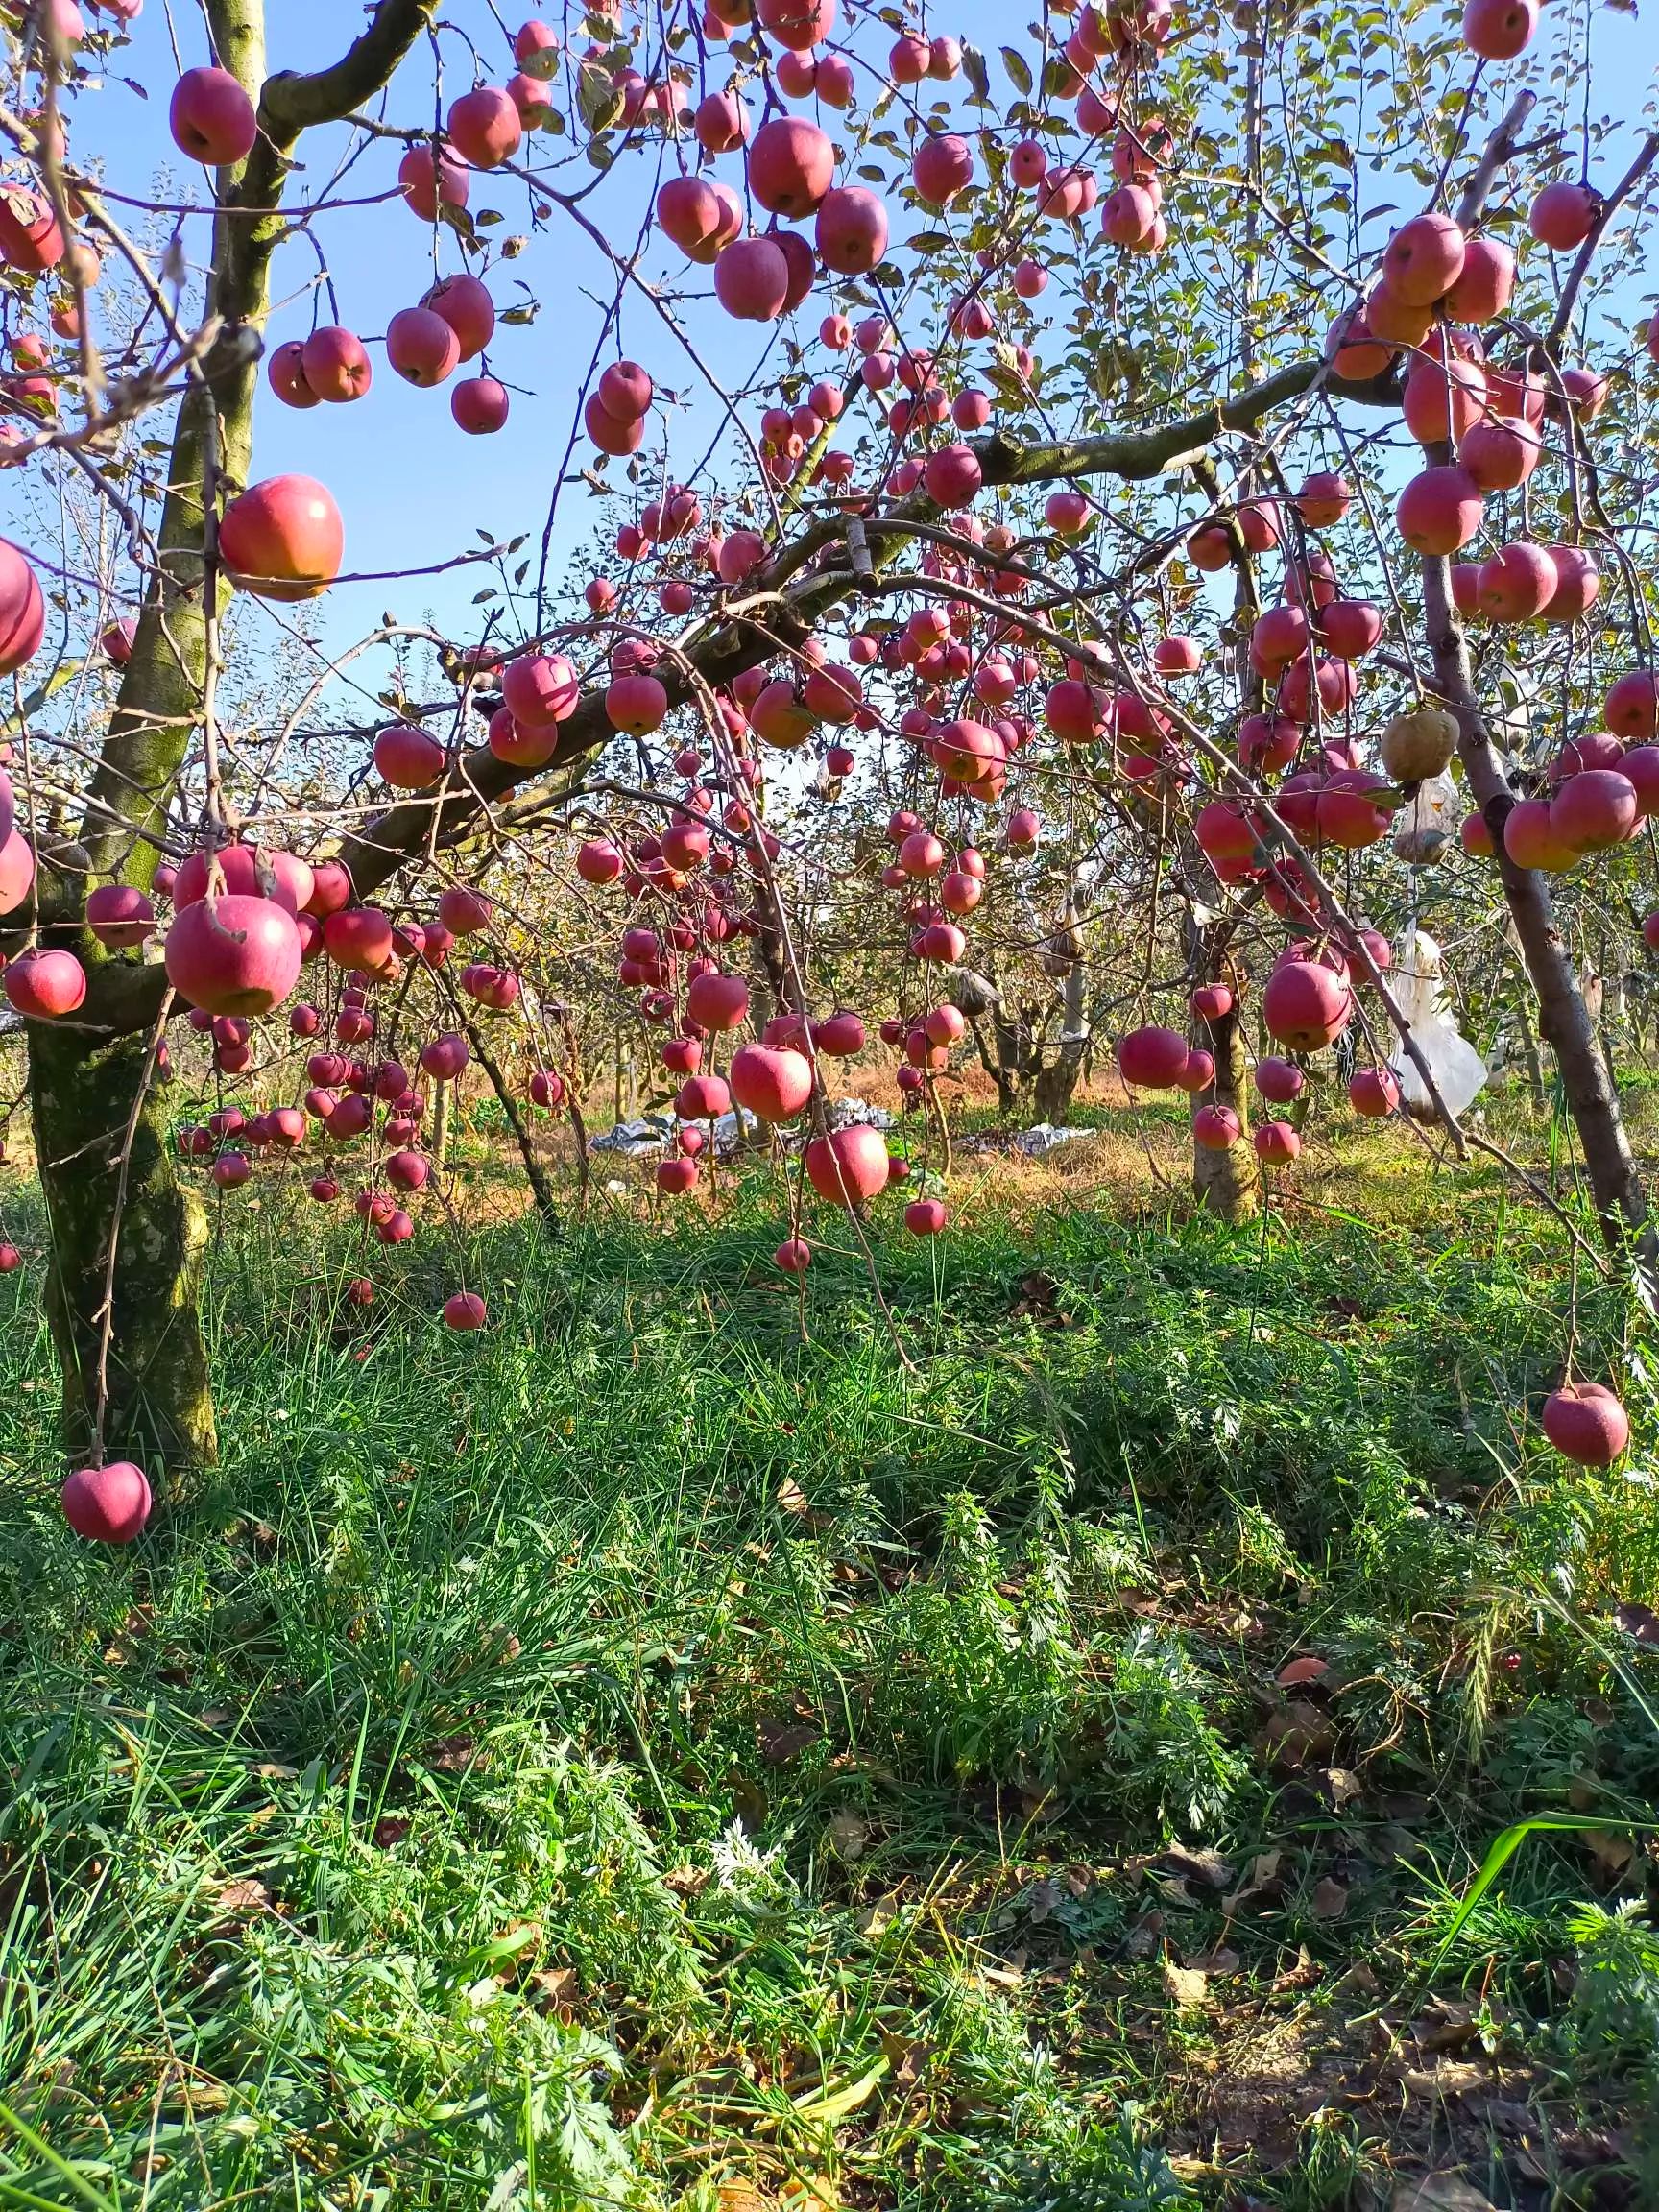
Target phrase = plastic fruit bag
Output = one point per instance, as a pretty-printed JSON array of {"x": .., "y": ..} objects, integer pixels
[
  {"x": 1459, "y": 1073},
  {"x": 1427, "y": 827}
]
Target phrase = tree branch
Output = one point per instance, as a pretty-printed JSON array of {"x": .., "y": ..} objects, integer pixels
[{"x": 292, "y": 101}]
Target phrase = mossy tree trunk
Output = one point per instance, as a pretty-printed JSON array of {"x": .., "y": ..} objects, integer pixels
[
  {"x": 1056, "y": 1082},
  {"x": 87, "y": 1084},
  {"x": 1227, "y": 1184},
  {"x": 160, "y": 1406}
]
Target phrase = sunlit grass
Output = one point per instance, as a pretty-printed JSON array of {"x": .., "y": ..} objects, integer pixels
[{"x": 640, "y": 1748}]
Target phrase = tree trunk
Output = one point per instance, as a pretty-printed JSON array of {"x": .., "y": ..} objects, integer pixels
[
  {"x": 83, "y": 1083},
  {"x": 1056, "y": 1081},
  {"x": 534, "y": 1173},
  {"x": 159, "y": 1409},
  {"x": 1228, "y": 1184},
  {"x": 994, "y": 1064},
  {"x": 1528, "y": 1041},
  {"x": 442, "y": 1097},
  {"x": 1615, "y": 1182},
  {"x": 1057, "y": 1078}
]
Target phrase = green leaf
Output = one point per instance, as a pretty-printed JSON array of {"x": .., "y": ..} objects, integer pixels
[
  {"x": 599, "y": 98},
  {"x": 1502, "y": 1849},
  {"x": 1019, "y": 69}
]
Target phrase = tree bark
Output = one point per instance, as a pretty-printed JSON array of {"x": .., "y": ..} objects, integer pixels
[
  {"x": 1615, "y": 1182},
  {"x": 1528, "y": 1041},
  {"x": 159, "y": 1409},
  {"x": 84, "y": 1082},
  {"x": 443, "y": 1096},
  {"x": 1228, "y": 1184},
  {"x": 1057, "y": 1078},
  {"x": 534, "y": 1173}
]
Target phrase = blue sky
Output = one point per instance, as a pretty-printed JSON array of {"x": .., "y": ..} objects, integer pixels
[{"x": 412, "y": 488}]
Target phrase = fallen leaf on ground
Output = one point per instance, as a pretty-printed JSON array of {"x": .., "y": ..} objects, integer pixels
[
  {"x": 881, "y": 1914},
  {"x": 847, "y": 1835},
  {"x": 782, "y": 1741},
  {"x": 749, "y": 1801},
  {"x": 1264, "y": 1883},
  {"x": 1306, "y": 1668},
  {"x": 1612, "y": 1853},
  {"x": 1221, "y": 1960},
  {"x": 1302, "y": 1976},
  {"x": 1206, "y": 1867},
  {"x": 1342, "y": 1785},
  {"x": 1184, "y": 1985},
  {"x": 557, "y": 1988},
  {"x": 1044, "y": 1898},
  {"x": 1451, "y": 2077},
  {"x": 1329, "y": 1900},
  {"x": 1141, "y": 1941},
  {"x": 742, "y": 2197},
  {"x": 1439, "y": 2193},
  {"x": 906, "y": 2060},
  {"x": 1638, "y": 1621},
  {"x": 241, "y": 1900},
  {"x": 452, "y": 1755},
  {"x": 1448, "y": 2026}
]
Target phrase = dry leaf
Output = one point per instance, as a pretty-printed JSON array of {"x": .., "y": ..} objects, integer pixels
[
  {"x": 1206, "y": 1867},
  {"x": 1184, "y": 1985},
  {"x": 449, "y": 1755},
  {"x": 1611, "y": 1853},
  {"x": 557, "y": 1989},
  {"x": 782, "y": 1741},
  {"x": 687, "y": 1880},
  {"x": 1439, "y": 2193},
  {"x": 740, "y": 2197},
  {"x": 847, "y": 1835},
  {"x": 1638, "y": 1621},
  {"x": 791, "y": 1498},
  {"x": 1302, "y": 1976},
  {"x": 1342, "y": 1785},
  {"x": 1142, "y": 1939},
  {"x": 1221, "y": 1960},
  {"x": 905, "y": 2059},
  {"x": 749, "y": 1801},
  {"x": 1042, "y": 1899},
  {"x": 1264, "y": 1883},
  {"x": 1449, "y": 2077},
  {"x": 1306, "y": 1668},
  {"x": 274, "y": 1770},
  {"x": 241, "y": 1900},
  {"x": 1329, "y": 1900},
  {"x": 809, "y": 2193},
  {"x": 1449, "y": 2025},
  {"x": 875, "y": 1918}
]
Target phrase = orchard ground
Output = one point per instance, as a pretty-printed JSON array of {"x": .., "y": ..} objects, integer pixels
[{"x": 637, "y": 1756}]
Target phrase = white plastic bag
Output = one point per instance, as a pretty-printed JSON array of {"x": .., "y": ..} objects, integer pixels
[
  {"x": 1459, "y": 1073},
  {"x": 1425, "y": 828}
]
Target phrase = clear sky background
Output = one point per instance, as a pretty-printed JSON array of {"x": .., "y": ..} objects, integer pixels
[{"x": 413, "y": 488}]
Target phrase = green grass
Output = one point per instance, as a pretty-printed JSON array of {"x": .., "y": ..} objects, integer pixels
[{"x": 636, "y": 1751}]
